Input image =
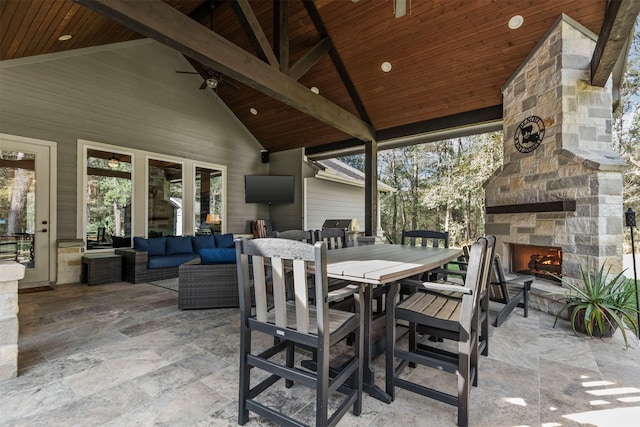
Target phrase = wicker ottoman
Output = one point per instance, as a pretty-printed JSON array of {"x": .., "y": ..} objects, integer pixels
[
  {"x": 207, "y": 285},
  {"x": 98, "y": 269}
]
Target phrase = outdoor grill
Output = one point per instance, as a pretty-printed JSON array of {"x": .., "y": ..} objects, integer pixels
[{"x": 344, "y": 224}]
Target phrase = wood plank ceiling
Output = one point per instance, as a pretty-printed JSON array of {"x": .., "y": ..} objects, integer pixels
[{"x": 448, "y": 57}]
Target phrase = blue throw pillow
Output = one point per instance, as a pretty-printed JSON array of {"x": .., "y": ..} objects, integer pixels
[
  {"x": 218, "y": 256},
  {"x": 141, "y": 244},
  {"x": 179, "y": 245},
  {"x": 202, "y": 242},
  {"x": 157, "y": 246},
  {"x": 224, "y": 240}
]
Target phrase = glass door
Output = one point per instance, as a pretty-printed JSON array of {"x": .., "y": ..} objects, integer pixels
[{"x": 24, "y": 208}]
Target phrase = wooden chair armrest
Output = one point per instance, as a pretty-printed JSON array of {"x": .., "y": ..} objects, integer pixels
[
  {"x": 431, "y": 286},
  {"x": 525, "y": 281},
  {"x": 342, "y": 293}
]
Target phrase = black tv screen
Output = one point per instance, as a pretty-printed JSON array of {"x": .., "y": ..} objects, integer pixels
[{"x": 268, "y": 189}]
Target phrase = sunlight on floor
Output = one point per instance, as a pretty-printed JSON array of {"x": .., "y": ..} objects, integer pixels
[
  {"x": 613, "y": 391},
  {"x": 619, "y": 417},
  {"x": 515, "y": 401}
]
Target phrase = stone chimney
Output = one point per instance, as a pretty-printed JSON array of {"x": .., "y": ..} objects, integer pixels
[{"x": 561, "y": 182}]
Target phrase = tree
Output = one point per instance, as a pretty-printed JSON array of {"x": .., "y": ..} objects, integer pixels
[{"x": 626, "y": 126}]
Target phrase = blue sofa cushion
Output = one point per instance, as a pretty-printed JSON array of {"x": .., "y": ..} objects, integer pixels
[
  {"x": 224, "y": 240},
  {"x": 168, "y": 261},
  {"x": 218, "y": 256},
  {"x": 201, "y": 242},
  {"x": 155, "y": 246},
  {"x": 179, "y": 245},
  {"x": 141, "y": 244}
]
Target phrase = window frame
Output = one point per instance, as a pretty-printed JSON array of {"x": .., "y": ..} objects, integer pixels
[{"x": 140, "y": 185}]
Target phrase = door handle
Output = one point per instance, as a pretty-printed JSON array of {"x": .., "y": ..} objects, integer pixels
[{"x": 44, "y": 230}]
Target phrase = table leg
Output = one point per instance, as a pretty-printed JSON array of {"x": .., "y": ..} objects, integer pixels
[{"x": 369, "y": 377}]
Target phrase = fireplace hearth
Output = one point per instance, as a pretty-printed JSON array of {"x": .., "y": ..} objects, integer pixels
[{"x": 540, "y": 261}]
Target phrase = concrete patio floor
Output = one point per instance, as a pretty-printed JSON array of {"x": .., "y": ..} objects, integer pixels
[{"x": 124, "y": 355}]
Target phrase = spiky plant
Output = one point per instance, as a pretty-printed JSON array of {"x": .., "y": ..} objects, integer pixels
[{"x": 599, "y": 302}]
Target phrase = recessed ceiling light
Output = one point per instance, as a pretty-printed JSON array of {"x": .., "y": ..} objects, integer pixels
[
  {"x": 516, "y": 22},
  {"x": 386, "y": 67},
  {"x": 315, "y": 90},
  {"x": 65, "y": 37},
  {"x": 253, "y": 111}
]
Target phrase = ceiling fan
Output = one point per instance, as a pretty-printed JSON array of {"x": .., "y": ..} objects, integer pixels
[{"x": 213, "y": 80}]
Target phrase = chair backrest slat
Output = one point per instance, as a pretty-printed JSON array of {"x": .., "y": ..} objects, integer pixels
[
  {"x": 260, "y": 285},
  {"x": 301, "y": 292},
  {"x": 279, "y": 291},
  {"x": 476, "y": 275}
]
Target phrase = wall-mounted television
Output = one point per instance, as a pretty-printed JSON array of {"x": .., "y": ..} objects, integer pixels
[{"x": 268, "y": 189}]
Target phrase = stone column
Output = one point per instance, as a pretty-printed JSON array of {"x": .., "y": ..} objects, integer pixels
[
  {"x": 10, "y": 273},
  {"x": 70, "y": 252}
]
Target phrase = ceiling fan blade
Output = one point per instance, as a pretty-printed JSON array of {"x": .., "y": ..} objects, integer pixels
[
  {"x": 203, "y": 85},
  {"x": 187, "y": 72}
]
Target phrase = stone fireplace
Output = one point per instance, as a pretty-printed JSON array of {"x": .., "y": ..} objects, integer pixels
[
  {"x": 558, "y": 195},
  {"x": 540, "y": 261}
]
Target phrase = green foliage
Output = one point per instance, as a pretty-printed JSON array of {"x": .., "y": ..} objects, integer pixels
[
  {"x": 626, "y": 125},
  {"x": 439, "y": 186},
  {"x": 600, "y": 301},
  {"x": 107, "y": 199}
]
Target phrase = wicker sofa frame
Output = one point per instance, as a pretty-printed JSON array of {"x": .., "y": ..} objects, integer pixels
[
  {"x": 135, "y": 270},
  {"x": 207, "y": 285}
]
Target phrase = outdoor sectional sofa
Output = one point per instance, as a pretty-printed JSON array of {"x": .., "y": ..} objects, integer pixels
[{"x": 159, "y": 258}]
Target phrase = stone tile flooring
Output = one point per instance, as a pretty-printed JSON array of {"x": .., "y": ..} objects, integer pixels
[{"x": 124, "y": 355}]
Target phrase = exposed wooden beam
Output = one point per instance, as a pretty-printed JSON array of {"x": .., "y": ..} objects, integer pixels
[
  {"x": 256, "y": 34},
  {"x": 281, "y": 32},
  {"x": 619, "y": 20},
  {"x": 337, "y": 61},
  {"x": 454, "y": 126},
  {"x": 314, "y": 54},
  {"x": 161, "y": 22}
]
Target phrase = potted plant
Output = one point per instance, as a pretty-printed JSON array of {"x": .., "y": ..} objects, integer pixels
[{"x": 601, "y": 304}]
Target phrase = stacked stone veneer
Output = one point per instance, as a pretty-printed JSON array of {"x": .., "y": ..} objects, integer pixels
[
  {"x": 10, "y": 273},
  {"x": 69, "y": 268},
  {"x": 575, "y": 160}
]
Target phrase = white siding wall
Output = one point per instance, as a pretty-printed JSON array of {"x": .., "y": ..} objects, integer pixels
[
  {"x": 128, "y": 95},
  {"x": 332, "y": 200}
]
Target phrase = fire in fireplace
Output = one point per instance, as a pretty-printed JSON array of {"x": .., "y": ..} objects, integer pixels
[{"x": 541, "y": 261}]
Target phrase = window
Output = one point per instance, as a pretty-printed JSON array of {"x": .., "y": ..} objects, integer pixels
[
  {"x": 165, "y": 198},
  {"x": 108, "y": 199},
  {"x": 130, "y": 192},
  {"x": 208, "y": 206}
]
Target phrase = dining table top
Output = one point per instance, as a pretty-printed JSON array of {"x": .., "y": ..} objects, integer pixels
[{"x": 380, "y": 264}]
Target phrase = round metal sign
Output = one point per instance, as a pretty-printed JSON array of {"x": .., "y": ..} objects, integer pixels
[{"x": 529, "y": 134}]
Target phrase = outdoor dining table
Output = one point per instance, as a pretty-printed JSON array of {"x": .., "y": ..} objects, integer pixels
[{"x": 379, "y": 265}]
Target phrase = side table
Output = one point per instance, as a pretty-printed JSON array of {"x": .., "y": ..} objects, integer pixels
[{"x": 98, "y": 269}]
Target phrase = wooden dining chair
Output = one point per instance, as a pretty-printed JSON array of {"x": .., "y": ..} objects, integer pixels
[
  {"x": 335, "y": 238},
  {"x": 424, "y": 238},
  {"x": 450, "y": 318},
  {"x": 306, "y": 236},
  {"x": 294, "y": 323},
  {"x": 512, "y": 292},
  {"x": 461, "y": 273}
]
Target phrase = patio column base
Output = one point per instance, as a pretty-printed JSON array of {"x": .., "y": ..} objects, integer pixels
[{"x": 11, "y": 273}]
